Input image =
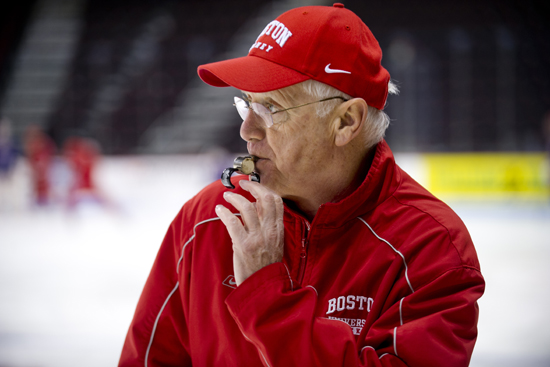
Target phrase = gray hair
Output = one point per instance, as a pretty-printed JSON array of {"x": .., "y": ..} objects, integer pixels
[{"x": 377, "y": 121}]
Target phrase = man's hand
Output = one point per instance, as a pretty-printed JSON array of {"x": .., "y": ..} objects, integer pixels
[{"x": 257, "y": 241}]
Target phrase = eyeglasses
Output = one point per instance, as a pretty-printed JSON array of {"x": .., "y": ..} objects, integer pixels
[{"x": 269, "y": 117}]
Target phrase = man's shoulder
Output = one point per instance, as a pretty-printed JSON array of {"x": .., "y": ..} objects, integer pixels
[
  {"x": 413, "y": 195},
  {"x": 428, "y": 219}
]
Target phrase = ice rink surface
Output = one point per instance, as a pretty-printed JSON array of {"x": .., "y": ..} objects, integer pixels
[{"x": 70, "y": 280}]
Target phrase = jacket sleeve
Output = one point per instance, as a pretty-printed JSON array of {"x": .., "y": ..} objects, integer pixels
[
  {"x": 434, "y": 326},
  {"x": 158, "y": 334}
]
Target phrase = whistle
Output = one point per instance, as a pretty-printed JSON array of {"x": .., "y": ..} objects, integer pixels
[{"x": 244, "y": 165}]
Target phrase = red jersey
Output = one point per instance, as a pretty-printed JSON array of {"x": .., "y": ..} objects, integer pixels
[
  {"x": 82, "y": 154},
  {"x": 39, "y": 149},
  {"x": 385, "y": 277}
]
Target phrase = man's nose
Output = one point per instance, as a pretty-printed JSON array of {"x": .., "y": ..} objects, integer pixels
[{"x": 252, "y": 128}]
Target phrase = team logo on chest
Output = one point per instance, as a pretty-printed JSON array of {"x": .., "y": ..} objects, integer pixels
[{"x": 349, "y": 303}]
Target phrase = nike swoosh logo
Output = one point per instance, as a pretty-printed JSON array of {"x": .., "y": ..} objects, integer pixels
[
  {"x": 328, "y": 70},
  {"x": 230, "y": 282}
]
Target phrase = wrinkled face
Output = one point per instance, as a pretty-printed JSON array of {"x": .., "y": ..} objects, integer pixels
[{"x": 292, "y": 154}]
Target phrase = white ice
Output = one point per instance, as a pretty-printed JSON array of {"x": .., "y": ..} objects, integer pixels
[{"x": 70, "y": 281}]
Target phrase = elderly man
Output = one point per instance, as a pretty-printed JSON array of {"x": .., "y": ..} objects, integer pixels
[{"x": 337, "y": 257}]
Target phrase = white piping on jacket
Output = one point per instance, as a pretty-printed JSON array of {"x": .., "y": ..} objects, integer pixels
[
  {"x": 395, "y": 341},
  {"x": 265, "y": 359},
  {"x": 156, "y": 322},
  {"x": 365, "y": 347},
  {"x": 175, "y": 288},
  {"x": 289, "y": 277},
  {"x": 401, "y": 311},
  {"x": 259, "y": 350},
  {"x": 312, "y": 287},
  {"x": 193, "y": 236},
  {"x": 406, "y": 277},
  {"x": 394, "y": 249}
]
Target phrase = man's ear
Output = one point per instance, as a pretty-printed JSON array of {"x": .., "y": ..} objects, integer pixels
[{"x": 351, "y": 116}]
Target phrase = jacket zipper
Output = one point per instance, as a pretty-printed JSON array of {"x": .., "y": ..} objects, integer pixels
[{"x": 303, "y": 251}]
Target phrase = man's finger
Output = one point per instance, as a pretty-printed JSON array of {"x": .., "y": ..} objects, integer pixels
[
  {"x": 247, "y": 209},
  {"x": 254, "y": 188},
  {"x": 232, "y": 223},
  {"x": 266, "y": 201},
  {"x": 279, "y": 212}
]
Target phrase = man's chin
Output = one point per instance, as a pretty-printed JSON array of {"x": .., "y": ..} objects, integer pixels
[{"x": 269, "y": 177}]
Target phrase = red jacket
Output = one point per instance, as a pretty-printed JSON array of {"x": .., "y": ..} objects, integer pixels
[{"x": 386, "y": 277}]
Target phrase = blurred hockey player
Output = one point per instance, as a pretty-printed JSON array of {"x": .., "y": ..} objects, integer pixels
[
  {"x": 8, "y": 150},
  {"x": 82, "y": 155},
  {"x": 39, "y": 150},
  {"x": 8, "y": 160}
]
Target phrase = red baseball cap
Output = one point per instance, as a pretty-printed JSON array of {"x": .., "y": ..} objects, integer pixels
[{"x": 328, "y": 44}]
